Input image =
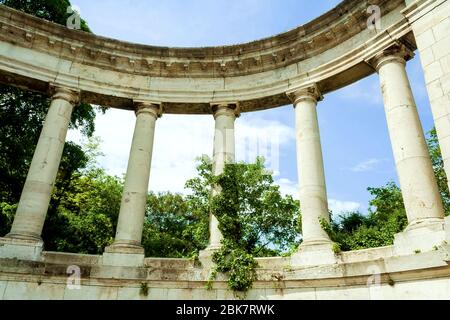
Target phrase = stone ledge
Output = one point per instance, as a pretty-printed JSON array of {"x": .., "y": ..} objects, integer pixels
[
  {"x": 414, "y": 284},
  {"x": 186, "y": 270},
  {"x": 123, "y": 259},
  {"x": 423, "y": 237},
  {"x": 21, "y": 249},
  {"x": 315, "y": 255}
]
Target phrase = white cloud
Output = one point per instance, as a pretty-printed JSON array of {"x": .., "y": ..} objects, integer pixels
[
  {"x": 115, "y": 128},
  {"x": 180, "y": 140},
  {"x": 365, "y": 166},
  {"x": 339, "y": 207},
  {"x": 258, "y": 137},
  {"x": 366, "y": 92},
  {"x": 288, "y": 187}
]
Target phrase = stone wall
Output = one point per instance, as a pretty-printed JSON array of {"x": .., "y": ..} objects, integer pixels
[{"x": 366, "y": 274}]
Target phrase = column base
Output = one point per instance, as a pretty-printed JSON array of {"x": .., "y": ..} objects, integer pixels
[
  {"x": 422, "y": 236},
  {"x": 206, "y": 256},
  {"x": 314, "y": 254},
  {"x": 21, "y": 249},
  {"x": 123, "y": 255}
]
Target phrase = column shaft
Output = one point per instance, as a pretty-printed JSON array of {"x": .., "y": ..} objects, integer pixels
[
  {"x": 34, "y": 201},
  {"x": 313, "y": 194},
  {"x": 417, "y": 181},
  {"x": 224, "y": 152},
  {"x": 134, "y": 199}
]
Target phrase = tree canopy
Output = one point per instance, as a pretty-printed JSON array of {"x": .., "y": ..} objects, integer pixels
[
  {"x": 387, "y": 215},
  {"x": 22, "y": 114},
  {"x": 51, "y": 10}
]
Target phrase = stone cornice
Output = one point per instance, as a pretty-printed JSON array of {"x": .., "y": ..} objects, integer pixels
[
  {"x": 35, "y": 53},
  {"x": 325, "y": 32},
  {"x": 418, "y": 8}
]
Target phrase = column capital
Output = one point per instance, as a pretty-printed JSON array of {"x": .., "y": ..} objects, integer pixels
[
  {"x": 155, "y": 109},
  {"x": 230, "y": 109},
  {"x": 71, "y": 96},
  {"x": 306, "y": 93},
  {"x": 396, "y": 53}
]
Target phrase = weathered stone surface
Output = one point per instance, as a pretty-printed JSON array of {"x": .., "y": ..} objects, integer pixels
[
  {"x": 371, "y": 275},
  {"x": 127, "y": 244},
  {"x": 430, "y": 22},
  {"x": 324, "y": 55},
  {"x": 16, "y": 290},
  {"x": 91, "y": 293},
  {"x": 329, "y": 51},
  {"x": 11, "y": 248}
]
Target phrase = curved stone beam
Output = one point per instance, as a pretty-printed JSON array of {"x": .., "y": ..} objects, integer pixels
[{"x": 330, "y": 51}]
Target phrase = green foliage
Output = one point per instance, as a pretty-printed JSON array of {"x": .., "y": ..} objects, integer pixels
[
  {"x": 439, "y": 171},
  {"x": 84, "y": 219},
  {"x": 7, "y": 212},
  {"x": 51, "y": 10},
  {"x": 252, "y": 215},
  {"x": 238, "y": 264},
  {"x": 355, "y": 231},
  {"x": 172, "y": 229},
  {"x": 22, "y": 114},
  {"x": 387, "y": 215}
]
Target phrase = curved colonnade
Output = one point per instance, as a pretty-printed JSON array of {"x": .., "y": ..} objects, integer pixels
[{"x": 300, "y": 67}]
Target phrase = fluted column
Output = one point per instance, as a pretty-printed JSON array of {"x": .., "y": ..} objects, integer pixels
[
  {"x": 224, "y": 152},
  {"x": 134, "y": 199},
  {"x": 35, "y": 199},
  {"x": 313, "y": 194},
  {"x": 414, "y": 168}
]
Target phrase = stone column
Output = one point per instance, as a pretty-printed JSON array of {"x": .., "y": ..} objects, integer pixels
[
  {"x": 317, "y": 246},
  {"x": 34, "y": 201},
  {"x": 313, "y": 193},
  {"x": 414, "y": 168},
  {"x": 224, "y": 152},
  {"x": 134, "y": 199},
  {"x": 420, "y": 192},
  {"x": 36, "y": 194}
]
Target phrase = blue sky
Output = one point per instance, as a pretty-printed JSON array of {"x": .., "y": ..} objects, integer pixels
[{"x": 355, "y": 140}]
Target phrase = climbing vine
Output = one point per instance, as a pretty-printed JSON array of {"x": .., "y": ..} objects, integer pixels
[
  {"x": 234, "y": 257},
  {"x": 254, "y": 219}
]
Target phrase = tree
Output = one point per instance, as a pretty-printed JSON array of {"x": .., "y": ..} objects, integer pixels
[
  {"x": 85, "y": 218},
  {"x": 171, "y": 227},
  {"x": 254, "y": 218},
  {"x": 387, "y": 215},
  {"x": 51, "y": 10},
  {"x": 22, "y": 114},
  {"x": 439, "y": 171},
  {"x": 249, "y": 204}
]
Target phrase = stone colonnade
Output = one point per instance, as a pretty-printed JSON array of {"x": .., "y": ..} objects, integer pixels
[{"x": 419, "y": 188}]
